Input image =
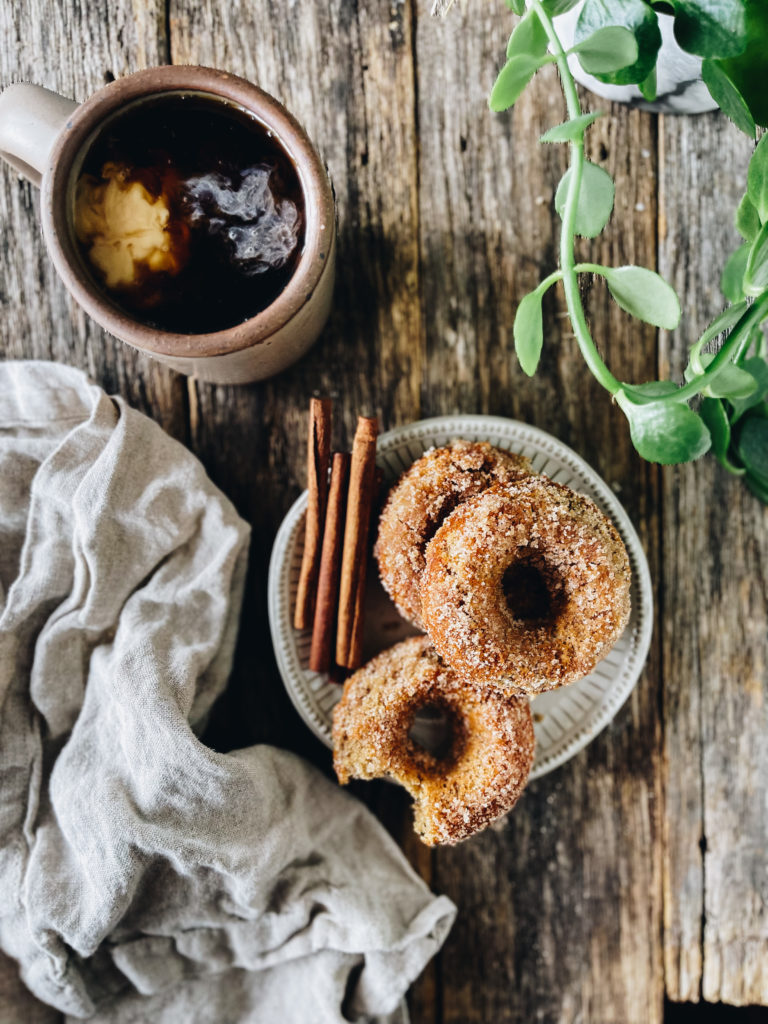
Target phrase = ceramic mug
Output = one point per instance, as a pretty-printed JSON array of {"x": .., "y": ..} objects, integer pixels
[{"x": 45, "y": 137}]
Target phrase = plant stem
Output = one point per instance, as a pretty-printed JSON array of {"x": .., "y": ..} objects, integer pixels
[
  {"x": 555, "y": 276},
  {"x": 743, "y": 348},
  {"x": 738, "y": 337},
  {"x": 568, "y": 234},
  {"x": 738, "y": 341}
]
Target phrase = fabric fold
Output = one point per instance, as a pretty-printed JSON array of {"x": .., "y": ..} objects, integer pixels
[{"x": 145, "y": 876}]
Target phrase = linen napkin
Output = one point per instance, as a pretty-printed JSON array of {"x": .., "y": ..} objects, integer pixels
[{"x": 144, "y": 876}]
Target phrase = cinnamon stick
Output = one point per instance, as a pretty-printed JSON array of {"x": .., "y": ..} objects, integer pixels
[
  {"x": 356, "y": 650},
  {"x": 349, "y": 632},
  {"x": 355, "y": 658},
  {"x": 318, "y": 458},
  {"x": 324, "y": 625}
]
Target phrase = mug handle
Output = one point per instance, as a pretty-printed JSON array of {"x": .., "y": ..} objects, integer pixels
[{"x": 31, "y": 118}]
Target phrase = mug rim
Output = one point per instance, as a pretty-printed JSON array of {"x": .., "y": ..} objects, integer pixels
[{"x": 319, "y": 209}]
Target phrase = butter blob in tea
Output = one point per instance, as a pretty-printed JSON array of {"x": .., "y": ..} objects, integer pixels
[{"x": 189, "y": 213}]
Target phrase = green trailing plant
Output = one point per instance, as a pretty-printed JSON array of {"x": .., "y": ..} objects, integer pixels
[{"x": 619, "y": 43}]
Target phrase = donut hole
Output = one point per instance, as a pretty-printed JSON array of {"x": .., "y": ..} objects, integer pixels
[
  {"x": 467, "y": 481},
  {"x": 434, "y": 521},
  {"x": 438, "y": 731},
  {"x": 534, "y": 590}
]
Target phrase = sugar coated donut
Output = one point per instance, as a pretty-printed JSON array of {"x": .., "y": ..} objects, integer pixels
[
  {"x": 482, "y": 767},
  {"x": 526, "y": 586},
  {"x": 419, "y": 502}
]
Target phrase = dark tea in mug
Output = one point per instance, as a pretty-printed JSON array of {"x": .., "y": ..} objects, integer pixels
[{"x": 189, "y": 214}]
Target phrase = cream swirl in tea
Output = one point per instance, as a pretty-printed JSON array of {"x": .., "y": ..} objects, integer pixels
[
  {"x": 189, "y": 213},
  {"x": 124, "y": 228}
]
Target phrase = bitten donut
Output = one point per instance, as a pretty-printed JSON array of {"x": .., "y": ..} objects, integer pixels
[
  {"x": 486, "y": 758},
  {"x": 419, "y": 502},
  {"x": 525, "y": 587}
]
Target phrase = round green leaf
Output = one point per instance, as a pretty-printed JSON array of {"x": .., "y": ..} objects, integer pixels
[
  {"x": 666, "y": 433},
  {"x": 609, "y": 49},
  {"x": 747, "y": 71},
  {"x": 595, "y": 201},
  {"x": 711, "y": 28},
  {"x": 648, "y": 86},
  {"x": 644, "y": 294},
  {"x": 516, "y": 6},
  {"x": 756, "y": 272},
  {"x": 727, "y": 96},
  {"x": 570, "y": 131},
  {"x": 512, "y": 79},
  {"x": 746, "y": 221},
  {"x": 528, "y": 331},
  {"x": 731, "y": 382},
  {"x": 752, "y": 446},
  {"x": 757, "y": 179},
  {"x": 634, "y": 15},
  {"x": 732, "y": 277},
  {"x": 716, "y": 419},
  {"x": 528, "y": 37},
  {"x": 759, "y": 370}
]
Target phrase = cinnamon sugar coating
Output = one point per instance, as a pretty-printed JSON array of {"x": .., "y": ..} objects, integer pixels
[
  {"x": 526, "y": 587},
  {"x": 422, "y": 499},
  {"x": 490, "y": 754}
]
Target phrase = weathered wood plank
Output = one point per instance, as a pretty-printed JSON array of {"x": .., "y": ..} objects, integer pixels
[
  {"x": 345, "y": 70},
  {"x": 67, "y": 47},
  {"x": 446, "y": 219},
  {"x": 63, "y": 45},
  {"x": 559, "y": 913},
  {"x": 715, "y": 624}
]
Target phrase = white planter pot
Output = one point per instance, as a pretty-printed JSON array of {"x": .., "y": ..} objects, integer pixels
[{"x": 680, "y": 89}]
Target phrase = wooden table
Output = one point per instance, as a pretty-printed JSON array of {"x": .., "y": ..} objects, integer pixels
[{"x": 638, "y": 871}]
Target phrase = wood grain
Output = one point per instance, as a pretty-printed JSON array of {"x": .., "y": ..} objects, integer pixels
[
  {"x": 346, "y": 72},
  {"x": 562, "y": 907},
  {"x": 715, "y": 624},
  {"x": 640, "y": 866},
  {"x": 61, "y": 45}
]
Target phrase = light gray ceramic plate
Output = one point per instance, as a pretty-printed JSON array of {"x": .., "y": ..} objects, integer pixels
[{"x": 566, "y": 720}]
